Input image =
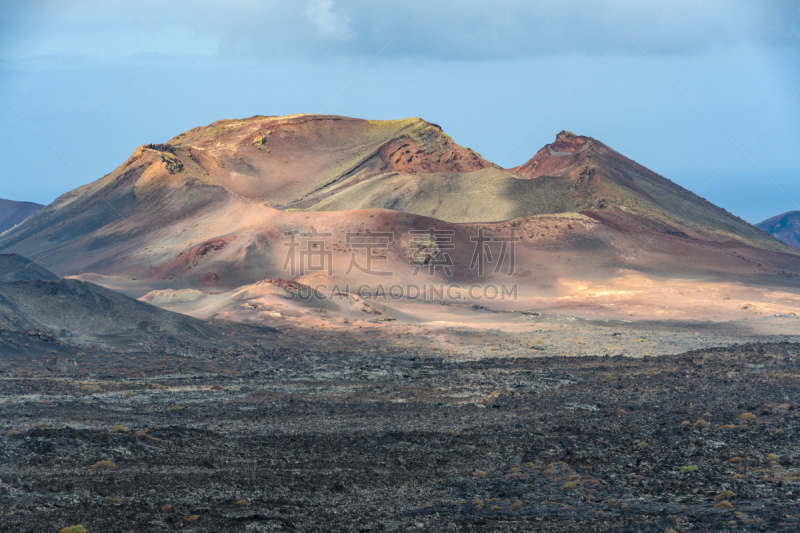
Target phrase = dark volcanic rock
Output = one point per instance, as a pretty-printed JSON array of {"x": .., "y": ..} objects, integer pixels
[
  {"x": 90, "y": 316},
  {"x": 297, "y": 440}
]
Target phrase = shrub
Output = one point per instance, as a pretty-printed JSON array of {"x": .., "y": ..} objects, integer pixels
[
  {"x": 739, "y": 476},
  {"x": 747, "y": 416},
  {"x": 13, "y": 432},
  {"x": 516, "y": 506},
  {"x": 642, "y": 445},
  {"x": 772, "y": 457},
  {"x": 129, "y": 394},
  {"x": 725, "y": 495},
  {"x": 192, "y": 518},
  {"x": 242, "y": 502},
  {"x": 736, "y": 459},
  {"x": 119, "y": 428},
  {"x": 724, "y": 504},
  {"x": 103, "y": 464},
  {"x": 217, "y": 387},
  {"x": 74, "y": 529},
  {"x": 176, "y": 408},
  {"x": 570, "y": 485},
  {"x": 113, "y": 499},
  {"x": 700, "y": 424},
  {"x": 168, "y": 507},
  {"x": 689, "y": 468}
]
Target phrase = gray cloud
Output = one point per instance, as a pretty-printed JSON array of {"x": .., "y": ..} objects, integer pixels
[
  {"x": 472, "y": 29},
  {"x": 330, "y": 24},
  {"x": 442, "y": 29}
]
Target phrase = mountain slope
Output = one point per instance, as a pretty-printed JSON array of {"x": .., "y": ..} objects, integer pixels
[
  {"x": 91, "y": 315},
  {"x": 12, "y": 213},
  {"x": 217, "y": 176},
  {"x": 785, "y": 227},
  {"x": 286, "y": 160},
  {"x": 180, "y": 215},
  {"x": 597, "y": 177},
  {"x": 573, "y": 174},
  {"x": 14, "y": 267}
]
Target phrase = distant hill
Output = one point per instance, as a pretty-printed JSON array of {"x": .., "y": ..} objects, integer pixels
[
  {"x": 14, "y": 267},
  {"x": 12, "y": 213},
  {"x": 785, "y": 227}
]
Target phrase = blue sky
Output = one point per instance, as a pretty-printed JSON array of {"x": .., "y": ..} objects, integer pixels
[{"x": 704, "y": 93}]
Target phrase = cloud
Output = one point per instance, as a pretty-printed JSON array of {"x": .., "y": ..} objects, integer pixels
[
  {"x": 461, "y": 30},
  {"x": 329, "y": 24}
]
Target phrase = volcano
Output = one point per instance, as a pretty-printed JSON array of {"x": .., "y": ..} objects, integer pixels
[{"x": 211, "y": 210}]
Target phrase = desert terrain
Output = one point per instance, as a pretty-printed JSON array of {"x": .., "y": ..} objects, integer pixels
[{"x": 318, "y": 323}]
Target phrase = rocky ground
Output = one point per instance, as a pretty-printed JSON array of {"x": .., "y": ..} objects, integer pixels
[{"x": 399, "y": 440}]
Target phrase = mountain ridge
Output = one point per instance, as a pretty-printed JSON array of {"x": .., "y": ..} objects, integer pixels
[{"x": 194, "y": 208}]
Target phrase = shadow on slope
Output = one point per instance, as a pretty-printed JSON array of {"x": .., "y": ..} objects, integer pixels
[
  {"x": 14, "y": 267},
  {"x": 88, "y": 315}
]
